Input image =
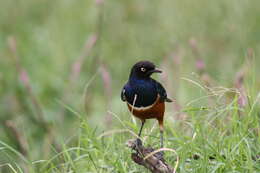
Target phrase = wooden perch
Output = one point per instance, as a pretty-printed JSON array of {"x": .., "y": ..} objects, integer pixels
[{"x": 155, "y": 163}]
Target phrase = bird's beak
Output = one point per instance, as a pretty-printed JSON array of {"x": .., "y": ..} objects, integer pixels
[{"x": 156, "y": 70}]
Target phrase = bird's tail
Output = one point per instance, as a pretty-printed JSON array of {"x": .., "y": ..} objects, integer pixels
[{"x": 168, "y": 100}]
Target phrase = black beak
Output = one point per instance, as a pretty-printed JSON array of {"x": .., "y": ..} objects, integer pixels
[{"x": 156, "y": 70}]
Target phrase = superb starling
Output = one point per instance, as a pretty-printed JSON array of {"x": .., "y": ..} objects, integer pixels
[{"x": 145, "y": 97}]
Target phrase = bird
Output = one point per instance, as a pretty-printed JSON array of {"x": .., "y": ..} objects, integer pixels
[{"x": 145, "y": 97}]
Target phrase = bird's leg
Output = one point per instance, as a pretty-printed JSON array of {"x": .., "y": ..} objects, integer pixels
[
  {"x": 161, "y": 131},
  {"x": 139, "y": 142},
  {"x": 142, "y": 125},
  {"x": 161, "y": 134}
]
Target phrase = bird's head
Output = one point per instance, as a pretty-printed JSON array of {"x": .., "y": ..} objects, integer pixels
[{"x": 143, "y": 69}]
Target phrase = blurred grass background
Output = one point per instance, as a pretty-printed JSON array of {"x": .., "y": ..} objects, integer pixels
[{"x": 61, "y": 57}]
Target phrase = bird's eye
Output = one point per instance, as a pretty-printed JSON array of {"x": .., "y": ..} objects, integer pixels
[{"x": 143, "y": 69}]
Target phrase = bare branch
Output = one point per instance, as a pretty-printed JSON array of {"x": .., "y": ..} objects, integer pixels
[{"x": 155, "y": 163}]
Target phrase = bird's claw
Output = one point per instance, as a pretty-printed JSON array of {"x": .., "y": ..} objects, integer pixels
[
  {"x": 138, "y": 142},
  {"x": 160, "y": 155}
]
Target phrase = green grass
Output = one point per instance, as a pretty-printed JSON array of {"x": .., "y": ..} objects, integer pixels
[
  {"x": 52, "y": 122},
  {"x": 227, "y": 132}
]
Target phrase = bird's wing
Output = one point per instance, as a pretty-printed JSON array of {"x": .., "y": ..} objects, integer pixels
[
  {"x": 162, "y": 92},
  {"x": 123, "y": 98}
]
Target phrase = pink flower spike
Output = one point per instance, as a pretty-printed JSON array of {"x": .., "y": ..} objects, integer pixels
[
  {"x": 76, "y": 68},
  {"x": 99, "y": 2},
  {"x": 23, "y": 76},
  {"x": 242, "y": 101},
  {"x": 106, "y": 79},
  {"x": 200, "y": 65}
]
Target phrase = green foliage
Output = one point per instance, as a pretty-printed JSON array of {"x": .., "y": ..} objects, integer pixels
[{"x": 52, "y": 112}]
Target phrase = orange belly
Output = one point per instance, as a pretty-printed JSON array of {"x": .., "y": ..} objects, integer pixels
[{"x": 155, "y": 111}]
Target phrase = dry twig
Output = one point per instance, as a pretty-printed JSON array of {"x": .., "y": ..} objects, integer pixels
[{"x": 143, "y": 156}]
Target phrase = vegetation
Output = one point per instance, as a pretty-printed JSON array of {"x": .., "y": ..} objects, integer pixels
[{"x": 63, "y": 64}]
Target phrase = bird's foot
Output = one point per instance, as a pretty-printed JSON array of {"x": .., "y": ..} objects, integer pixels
[
  {"x": 138, "y": 142},
  {"x": 135, "y": 144},
  {"x": 160, "y": 155}
]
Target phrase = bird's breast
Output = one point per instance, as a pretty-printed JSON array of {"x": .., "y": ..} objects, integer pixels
[
  {"x": 155, "y": 110},
  {"x": 141, "y": 94},
  {"x": 142, "y": 108}
]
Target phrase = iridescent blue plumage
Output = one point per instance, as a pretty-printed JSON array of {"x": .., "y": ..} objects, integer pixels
[
  {"x": 143, "y": 86},
  {"x": 145, "y": 90}
]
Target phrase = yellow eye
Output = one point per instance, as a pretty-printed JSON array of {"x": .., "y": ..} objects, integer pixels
[{"x": 143, "y": 69}]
